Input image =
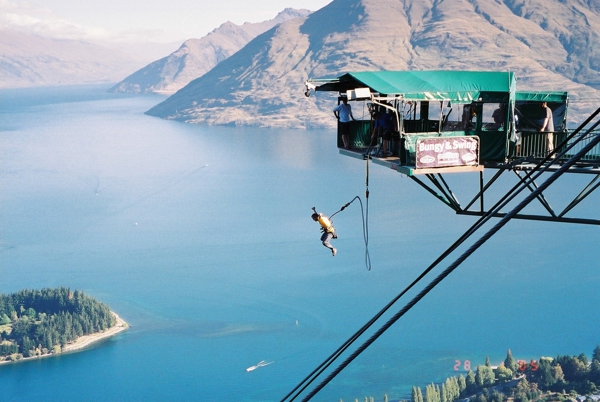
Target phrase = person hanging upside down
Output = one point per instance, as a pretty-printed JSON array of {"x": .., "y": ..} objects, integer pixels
[{"x": 327, "y": 229}]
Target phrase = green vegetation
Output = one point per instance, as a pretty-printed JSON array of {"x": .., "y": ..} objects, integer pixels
[
  {"x": 37, "y": 322},
  {"x": 546, "y": 380}
]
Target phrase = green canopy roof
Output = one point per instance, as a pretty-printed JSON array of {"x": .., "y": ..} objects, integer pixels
[
  {"x": 560, "y": 97},
  {"x": 459, "y": 86}
]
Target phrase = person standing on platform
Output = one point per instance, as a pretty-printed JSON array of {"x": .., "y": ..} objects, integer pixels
[
  {"x": 548, "y": 126},
  {"x": 343, "y": 112},
  {"x": 384, "y": 125}
]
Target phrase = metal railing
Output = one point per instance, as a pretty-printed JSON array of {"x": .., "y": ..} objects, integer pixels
[
  {"x": 539, "y": 145},
  {"x": 593, "y": 155}
]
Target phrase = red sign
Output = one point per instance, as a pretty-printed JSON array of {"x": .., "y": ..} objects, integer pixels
[{"x": 447, "y": 151}]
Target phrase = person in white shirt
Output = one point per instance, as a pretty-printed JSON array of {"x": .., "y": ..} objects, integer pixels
[
  {"x": 548, "y": 126},
  {"x": 343, "y": 112}
]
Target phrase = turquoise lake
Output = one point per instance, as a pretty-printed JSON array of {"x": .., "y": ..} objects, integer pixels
[{"x": 200, "y": 238}]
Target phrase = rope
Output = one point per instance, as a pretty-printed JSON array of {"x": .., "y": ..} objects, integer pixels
[{"x": 365, "y": 227}]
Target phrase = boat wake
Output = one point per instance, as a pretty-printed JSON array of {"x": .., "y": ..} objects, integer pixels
[{"x": 261, "y": 363}]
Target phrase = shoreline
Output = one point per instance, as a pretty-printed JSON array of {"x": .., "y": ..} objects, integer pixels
[{"x": 83, "y": 341}]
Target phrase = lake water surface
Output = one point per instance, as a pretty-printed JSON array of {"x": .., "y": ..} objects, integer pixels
[{"x": 201, "y": 239}]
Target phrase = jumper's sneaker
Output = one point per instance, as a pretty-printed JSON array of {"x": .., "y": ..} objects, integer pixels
[{"x": 334, "y": 252}]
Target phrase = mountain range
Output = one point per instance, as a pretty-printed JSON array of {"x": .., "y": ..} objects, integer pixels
[
  {"x": 195, "y": 57},
  {"x": 548, "y": 44},
  {"x": 30, "y": 60}
]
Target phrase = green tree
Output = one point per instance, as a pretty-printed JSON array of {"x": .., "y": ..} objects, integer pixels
[
  {"x": 594, "y": 375},
  {"x": 462, "y": 384},
  {"x": 503, "y": 374},
  {"x": 471, "y": 382},
  {"x": 450, "y": 389},
  {"x": 484, "y": 376},
  {"x": 557, "y": 374},
  {"x": 526, "y": 391},
  {"x": 543, "y": 376},
  {"x": 596, "y": 354},
  {"x": 487, "y": 361},
  {"x": 586, "y": 387},
  {"x": 574, "y": 369},
  {"x": 432, "y": 394},
  {"x": 521, "y": 397},
  {"x": 495, "y": 396},
  {"x": 416, "y": 395},
  {"x": 479, "y": 398},
  {"x": 4, "y": 320},
  {"x": 30, "y": 313},
  {"x": 510, "y": 362}
]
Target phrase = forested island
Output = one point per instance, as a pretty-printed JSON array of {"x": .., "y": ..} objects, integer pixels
[{"x": 50, "y": 321}]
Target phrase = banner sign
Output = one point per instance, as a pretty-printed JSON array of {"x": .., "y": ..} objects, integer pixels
[{"x": 447, "y": 151}]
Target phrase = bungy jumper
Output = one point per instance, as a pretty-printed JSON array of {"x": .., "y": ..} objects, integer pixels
[{"x": 327, "y": 229}]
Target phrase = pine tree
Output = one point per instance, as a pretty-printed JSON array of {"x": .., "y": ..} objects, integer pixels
[
  {"x": 462, "y": 384},
  {"x": 430, "y": 394},
  {"x": 471, "y": 382},
  {"x": 428, "y": 397},
  {"x": 479, "y": 377},
  {"x": 510, "y": 362},
  {"x": 596, "y": 354},
  {"x": 414, "y": 396},
  {"x": 452, "y": 390},
  {"x": 594, "y": 375}
]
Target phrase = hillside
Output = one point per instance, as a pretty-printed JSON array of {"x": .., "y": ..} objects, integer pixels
[
  {"x": 29, "y": 60},
  {"x": 547, "y": 44},
  {"x": 197, "y": 56}
]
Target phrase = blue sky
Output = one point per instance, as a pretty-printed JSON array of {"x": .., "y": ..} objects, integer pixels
[{"x": 137, "y": 20}]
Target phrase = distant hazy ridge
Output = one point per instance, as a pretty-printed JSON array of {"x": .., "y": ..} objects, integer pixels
[{"x": 28, "y": 60}]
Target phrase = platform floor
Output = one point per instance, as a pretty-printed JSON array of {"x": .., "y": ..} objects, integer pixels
[{"x": 393, "y": 162}]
